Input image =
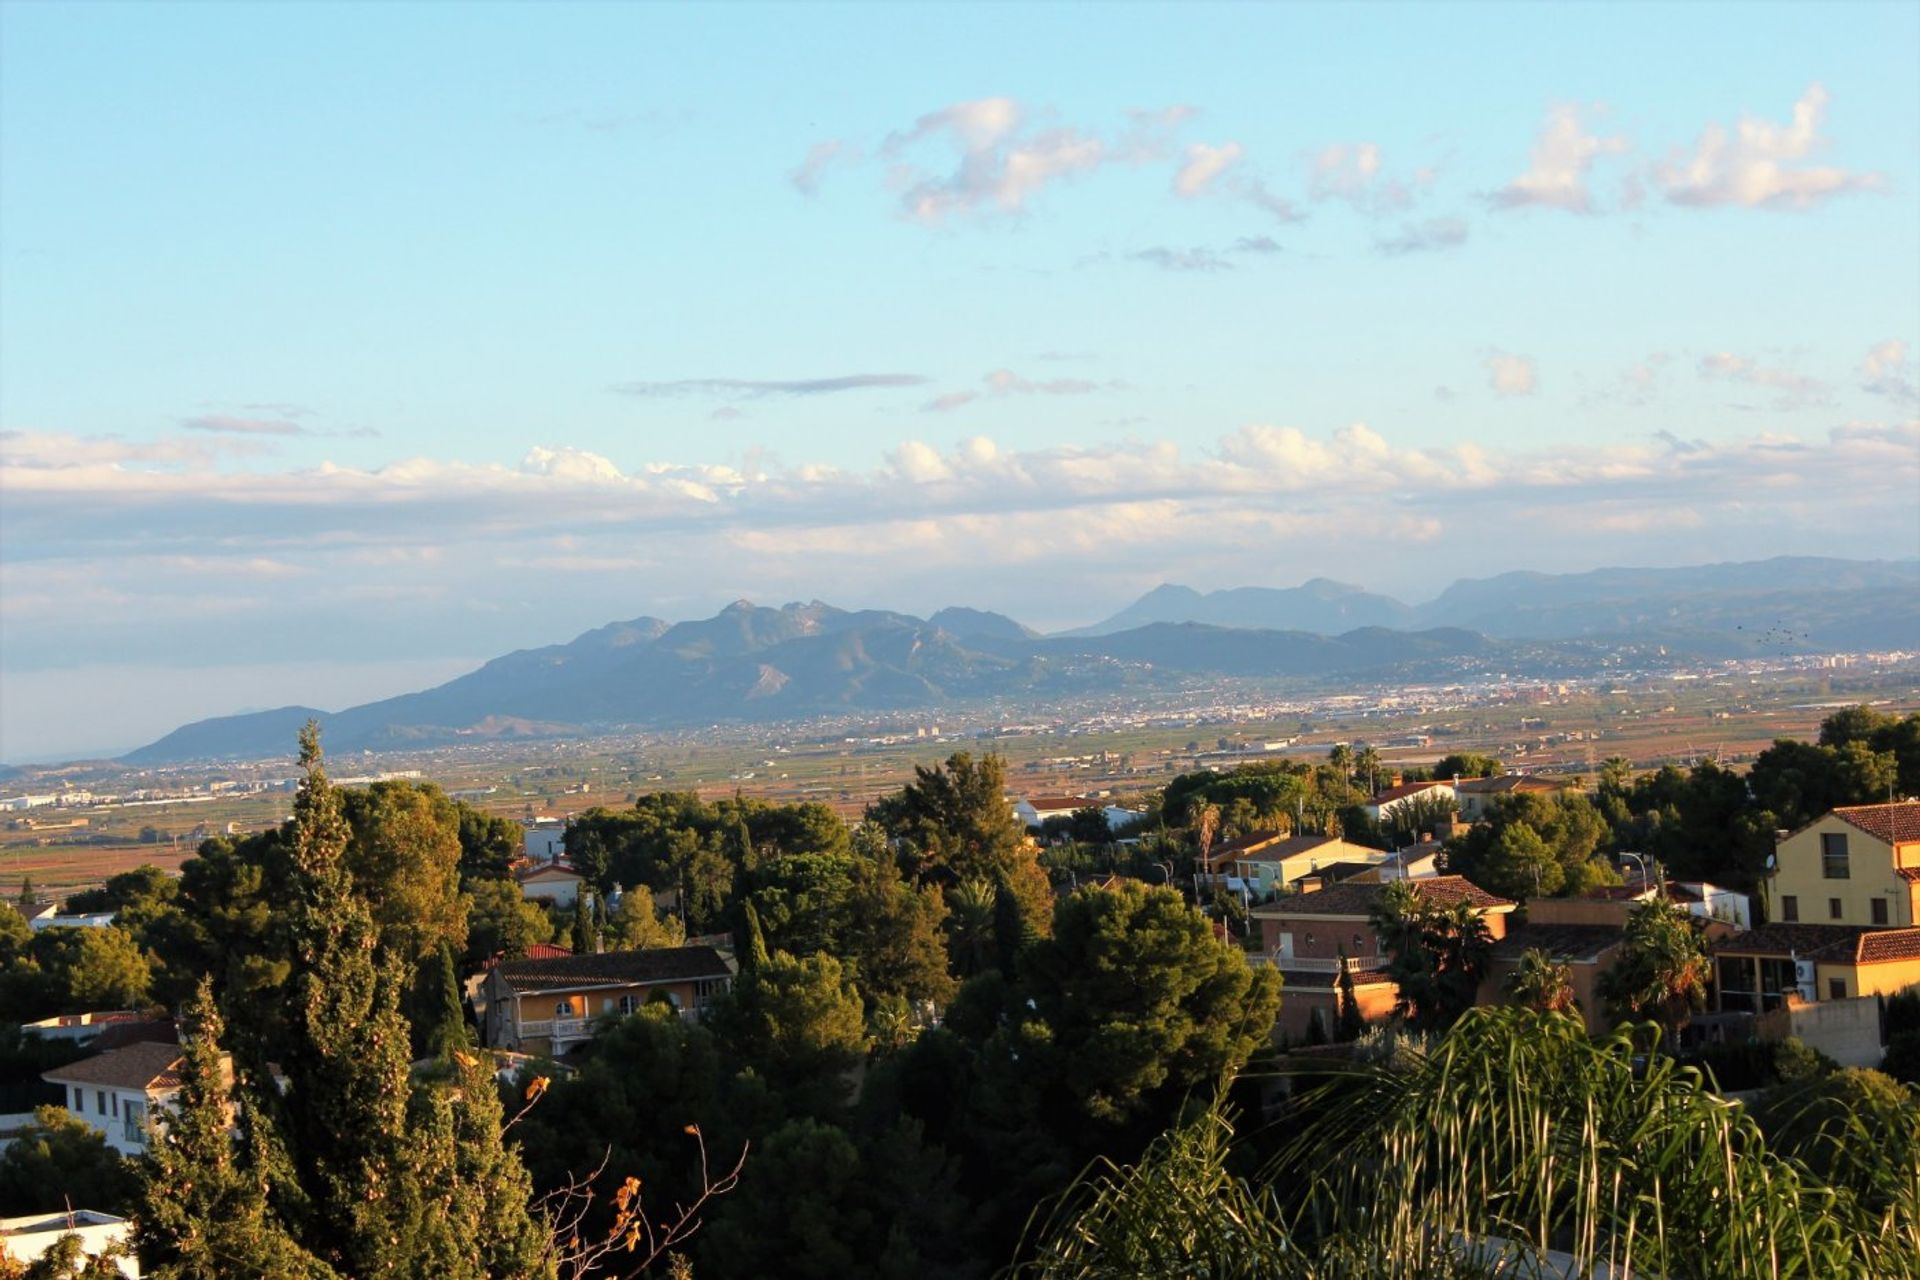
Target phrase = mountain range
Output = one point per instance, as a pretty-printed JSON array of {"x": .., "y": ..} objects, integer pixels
[{"x": 754, "y": 663}]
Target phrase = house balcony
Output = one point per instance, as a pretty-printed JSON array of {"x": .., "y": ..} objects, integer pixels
[
  {"x": 1309, "y": 964},
  {"x": 555, "y": 1029}
]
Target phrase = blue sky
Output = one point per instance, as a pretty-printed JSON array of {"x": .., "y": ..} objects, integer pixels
[{"x": 343, "y": 345}]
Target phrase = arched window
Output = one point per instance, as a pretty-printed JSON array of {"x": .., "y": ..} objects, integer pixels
[{"x": 563, "y": 1009}]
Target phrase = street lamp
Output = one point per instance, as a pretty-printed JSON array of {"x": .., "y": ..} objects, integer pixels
[{"x": 1641, "y": 862}]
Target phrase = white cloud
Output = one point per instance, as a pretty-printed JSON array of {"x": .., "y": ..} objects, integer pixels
[
  {"x": 1353, "y": 172},
  {"x": 1511, "y": 375},
  {"x": 1005, "y": 382},
  {"x": 1761, "y": 165},
  {"x": 1204, "y": 164},
  {"x": 1558, "y": 166},
  {"x": 1003, "y": 163},
  {"x": 1432, "y": 236},
  {"x": 1888, "y": 371},
  {"x": 1792, "y": 390},
  {"x": 821, "y": 156}
]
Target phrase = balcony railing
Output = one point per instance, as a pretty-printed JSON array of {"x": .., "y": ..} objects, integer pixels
[{"x": 1309, "y": 964}]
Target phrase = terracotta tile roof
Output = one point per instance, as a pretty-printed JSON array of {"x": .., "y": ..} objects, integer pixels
[
  {"x": 1326, "y": 980},
  {"x": 1334, "y": 872},
  {"x": 1893, "y": 823},
  {"x": 1293, "y": 846},
  {"x": 1352, "y": 899},
  {"x": 1910, "y": 874},
  {"x": 1252, "y": 840},
  {"x": 614, "y": 969},
  {"x": 1408, "y": 789},
  {"x": 1807, "y": 941},
  {"x": 1884, "y": 945},
  {"x": 1507, "y": 784},
  {"x": 1577, "y": 942},
  {"x": 136, "y": 1066},
  {"x": 528, "y": 873}
]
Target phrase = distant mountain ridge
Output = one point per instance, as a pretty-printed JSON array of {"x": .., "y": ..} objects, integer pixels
[
  {"x": 753, "y": 663},
  {"x": 1791, "y": 603},
  {"x": 750, "y": 663}
]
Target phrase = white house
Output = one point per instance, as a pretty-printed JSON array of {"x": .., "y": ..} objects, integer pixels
[
  {"x": 1119, "y": 818},
  {"x": 546, "y": 842},
  {"x": 123, "y": 1092},
  {"x": 554, "y": 882},
  {"x": 27, "y": 1239},
  {"x": 1034, "y": 810},
  {"x": 49, "y": 917},
  {"x": 1383, "y": 806}
]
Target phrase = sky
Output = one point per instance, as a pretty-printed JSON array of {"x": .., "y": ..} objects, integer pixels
[{"x": 343, "y": 347}]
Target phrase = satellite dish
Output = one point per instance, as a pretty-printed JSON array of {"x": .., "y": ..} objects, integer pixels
[{"x": 1773, "y": 861}]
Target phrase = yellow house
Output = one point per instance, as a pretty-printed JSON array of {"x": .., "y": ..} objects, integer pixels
[
  {"x": 1845, "y": 893},
  {"x": 1859, "y": 865}
]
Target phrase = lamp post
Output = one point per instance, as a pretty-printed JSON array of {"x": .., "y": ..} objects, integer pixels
[{"x": 1641, "y": 862}]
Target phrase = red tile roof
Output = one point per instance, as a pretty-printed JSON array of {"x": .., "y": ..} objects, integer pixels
[
  {"x": 1350, "y": 899},
  {"x": 137, "y": 1066},
  {"x": 1893, "y": 823},
  {"x": 1408, "y": 789},
  {"x": 1910, "y": 874},
  {"x": 614, "y": 969},
  {"x": 528, "y": 873},
  {"x": 1885, "y": 945},
  {"x": 1807, "y": 941}
]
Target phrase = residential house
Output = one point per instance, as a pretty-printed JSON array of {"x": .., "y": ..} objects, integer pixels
[
  {"x": 1304, "y": 935},
  {"x": 123, "y": 1092},
  {"x": 1478, "y": 795},
  {"x": 49, "y": 916},
  {"x": 1034, "y": 810},
  {"x": 546, "y": 841},
  {"x": 551, "y": 882},
  {"x": 1707, "y": 901},
  {"x": 548, "y": 1006},
  {"x": 28, "y": 1239},
  {"x": 1267, "y": 862},
  {"x": 1382, "y": 807},
  {"x": 1845, "y": 890},
  {"x": 1858, "y": 865}
]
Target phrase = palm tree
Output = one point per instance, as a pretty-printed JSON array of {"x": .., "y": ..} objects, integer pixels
[
  {"x": 1367, "y": 763},
  {"x": 1206, "y": 825},
  {"x": 1541, "y": 982},
  {"x": 970, "y": 907},
  {"x": 1662, "y": 972},
  {"x": 1341, "y": 758}
]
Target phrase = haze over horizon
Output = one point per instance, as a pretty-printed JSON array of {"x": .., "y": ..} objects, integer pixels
[{"x": 320, "y": 387}]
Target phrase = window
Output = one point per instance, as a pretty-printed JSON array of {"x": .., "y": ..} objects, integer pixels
[
  {"x": 79, "y": 1100},
  {"x": 116, "y": 1104},
  {"x": 1833, "y": 855},
  {"x": 563, "y": 1009},
  {"x": 1879, "y": 910},
  {"x": 629, "y": 1004},
  {"x": 1833, "y": 909},
  {"x": 100, "y": 1101},
  {"x": 1836, "y": 988},
  {"x": 135, "y": 1130},
  {"x": 1789, "y": 909}
]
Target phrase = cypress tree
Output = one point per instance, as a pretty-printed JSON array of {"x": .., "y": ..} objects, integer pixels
[
  {"x": 204, "y": 1210},
  {"x": 1348, "y": 1023},
  {"x": 755, "y": 958},
  {"x": 448, "y": 1032},
  {"x": 26, "y": 892},
  {"x": 582, "y": 936}
]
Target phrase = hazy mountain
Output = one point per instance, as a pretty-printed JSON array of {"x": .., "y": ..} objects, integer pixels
[
  {"x": 1322, "y": 605},
  {"x": 1798, "y": 604},
  {"x": 751, "y": 663},
  {"x": 1792, "y": 604},
  {"x": 979, "y": 624}
]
